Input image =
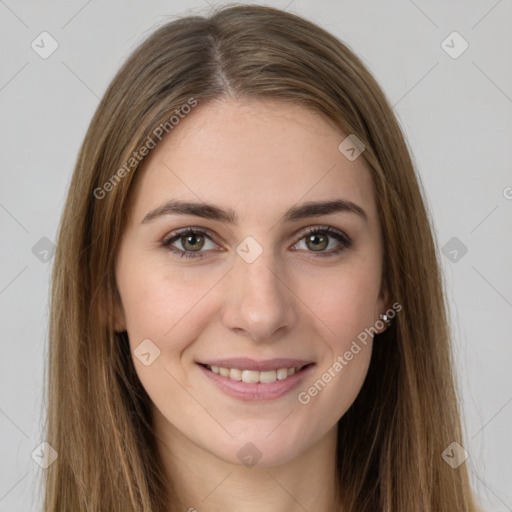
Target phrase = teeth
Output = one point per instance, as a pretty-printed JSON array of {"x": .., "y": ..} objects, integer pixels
[
  {"x": 282, "y": 373},
  {"x": 267, "y": 377},
  {"x": 250, "y": 376},
  {"x": 253, "y": 377},
  {"x": 235, "y": 374}
]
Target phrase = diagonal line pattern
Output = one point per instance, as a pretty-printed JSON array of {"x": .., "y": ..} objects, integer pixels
[
  {"x": 80, "y": 79},
  {"x": 487, "y": 486},
  {"x": 484, "y": 218},
  {"x": 14, "y": 76},
  {"x": 485, "y": 15},
  {"x": 280, "y": 423},
  {"x": 165, "y": 165},
  {"x": 12, "y": 280},
  {"x": 494, "y": 288},
  {"x": 75, "y": 15},
  {"x": 485, "y": 425},
  {"x": 217, "y": 486},
  {"x": 285, "y": 490},
  {"x": 13, "y": 423},
  {"x": 13, "y": 13},
  {"x": 288, "y": 5},
  {"x": 18, "y": 482},
  {"x": 424, "y": 13},
  {"x": 492, "y": 81},
  {"x": 211, "y": 288},
  {"x": 301, "y": 300},
  {"x": 198, "y": 402},
  {"x": 304, "y": 195},
  {"x": 14, "y": 218},
  {"x": 420, "y": 80}
]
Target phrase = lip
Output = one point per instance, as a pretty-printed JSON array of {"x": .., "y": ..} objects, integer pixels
[
  {"x": 243, "y": 363},
  {"x": 257, "y": 392}
]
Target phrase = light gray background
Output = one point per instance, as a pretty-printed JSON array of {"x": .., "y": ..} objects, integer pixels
[{"x": 457, "y": 116}]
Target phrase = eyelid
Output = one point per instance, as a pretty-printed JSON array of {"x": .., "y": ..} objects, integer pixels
[
  {"x": 340, "y": 236},
  {"x": 176, "y": 234},
  {"x": 331, "y": 231}
]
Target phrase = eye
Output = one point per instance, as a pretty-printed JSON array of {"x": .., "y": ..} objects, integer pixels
[
  {"x": 316, "y": 240},
  {"x": 192, "y": 240}
]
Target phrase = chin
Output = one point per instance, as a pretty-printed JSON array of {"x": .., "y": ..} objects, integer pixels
[{"x": 259, "y": 450}]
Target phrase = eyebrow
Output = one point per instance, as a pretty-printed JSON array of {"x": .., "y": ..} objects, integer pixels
[{"x": 213, "y": 212}]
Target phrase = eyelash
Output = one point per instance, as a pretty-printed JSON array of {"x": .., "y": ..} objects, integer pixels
[{"x": 345, "y": 241}]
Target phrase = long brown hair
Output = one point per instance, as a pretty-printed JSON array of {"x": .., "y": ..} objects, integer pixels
[{"x": 391, "y": 439}]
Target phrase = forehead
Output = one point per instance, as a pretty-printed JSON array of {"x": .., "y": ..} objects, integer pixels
[{"x": 253, "y": 156}]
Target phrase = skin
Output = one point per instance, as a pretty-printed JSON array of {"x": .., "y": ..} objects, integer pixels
[{"x": 258, "y": 158}]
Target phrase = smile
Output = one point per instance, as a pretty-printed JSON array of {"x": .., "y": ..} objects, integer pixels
[{"x": 257, "y": 385}]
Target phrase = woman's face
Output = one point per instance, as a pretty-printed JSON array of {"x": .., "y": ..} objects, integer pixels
[{"x": 253, "y": 290}]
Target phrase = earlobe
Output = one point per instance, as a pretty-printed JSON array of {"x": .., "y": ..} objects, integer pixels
[
  {"x": 384, "y": 305},
  {"x": 384, "y": 318},
  {"x": 119, "y": 317},
  {"x": 119, "y": 322},
  {"x": 113, "y": 314}
]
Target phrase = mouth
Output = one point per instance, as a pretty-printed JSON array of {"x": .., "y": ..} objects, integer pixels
[{"x": 248, "y": 380}]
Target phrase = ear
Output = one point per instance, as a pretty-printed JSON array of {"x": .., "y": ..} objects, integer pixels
[
  {"x": 383, "y": 304},
  {"x": 112, "y": 311},
  {"x": 119, "y": 317}
]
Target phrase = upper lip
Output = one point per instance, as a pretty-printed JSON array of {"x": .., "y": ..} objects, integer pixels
[{"x": 243, "y": 363}]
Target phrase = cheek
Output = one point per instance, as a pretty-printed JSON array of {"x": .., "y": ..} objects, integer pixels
[
  {"x": 159, "y": 302},
  {"x": 328, "y": 396},
  {"x": 346, "y": 356},
  {"x": 345, "y": 301},
  {"x": 345, "y": 307},
  {"x": 162, "y": 306}
]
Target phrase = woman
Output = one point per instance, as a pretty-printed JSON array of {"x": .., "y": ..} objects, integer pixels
[{"x": 247, "y": 307}]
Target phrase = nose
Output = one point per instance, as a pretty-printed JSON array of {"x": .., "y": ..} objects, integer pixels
[{"x": 260, "y": 301}]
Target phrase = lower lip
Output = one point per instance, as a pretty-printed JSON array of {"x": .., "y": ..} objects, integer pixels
[{"x": 255, "y": 392}]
